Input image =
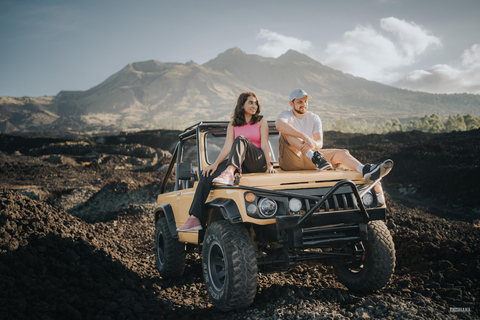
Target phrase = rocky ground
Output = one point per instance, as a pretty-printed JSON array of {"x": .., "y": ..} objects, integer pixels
[{"x": 76, "y": 234}]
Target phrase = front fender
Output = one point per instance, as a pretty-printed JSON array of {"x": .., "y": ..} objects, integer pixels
[
  {"x": 228, "y": 208},
  {"x": 166, "y": 209}
]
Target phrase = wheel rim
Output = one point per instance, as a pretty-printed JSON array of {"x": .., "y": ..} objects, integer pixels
[
  {"x": 356, "y": 270},
  {"x": 359, "y": 265},
  {"x": 160, "y": 250},
  {"x": 216, "y": 266}
]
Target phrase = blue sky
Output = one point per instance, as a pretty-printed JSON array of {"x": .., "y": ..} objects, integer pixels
[{"x": 52, "y": 45}]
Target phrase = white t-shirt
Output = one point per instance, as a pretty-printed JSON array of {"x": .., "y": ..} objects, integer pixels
[{"x": 309, "y": 124}]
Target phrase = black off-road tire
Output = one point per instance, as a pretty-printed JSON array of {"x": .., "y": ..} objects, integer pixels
[
  {"x": 378, "y": 266},
  {"x": 229, "y": 266},
  {"x": 169, "y": 252}
]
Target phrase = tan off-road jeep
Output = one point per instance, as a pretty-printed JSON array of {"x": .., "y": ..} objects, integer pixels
[{"x": 269, "y": 220}]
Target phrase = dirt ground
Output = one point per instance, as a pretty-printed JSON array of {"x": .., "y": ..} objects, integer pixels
[{"x": 76, "y": 234}]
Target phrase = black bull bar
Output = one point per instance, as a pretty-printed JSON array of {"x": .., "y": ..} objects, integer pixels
[
  {"x": 324, "y": 228},
  {"x": 308, "y": 219}
]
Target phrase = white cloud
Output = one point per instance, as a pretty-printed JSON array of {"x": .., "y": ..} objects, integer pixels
[
  {"x": 278, "y": 44},
  {"x": 413, "y": 40},
  {"x": 367, "y": 53},
  {"x": 384, "y": 55},
  {"x": 442, "y": 78}
]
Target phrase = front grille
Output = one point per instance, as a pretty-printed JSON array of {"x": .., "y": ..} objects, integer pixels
[{"x": 341, "y": 201}]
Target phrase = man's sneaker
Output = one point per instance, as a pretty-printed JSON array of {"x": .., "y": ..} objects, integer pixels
[
  {"x": 226, "y": 177},
  {"x": 191, "y": 224},
  {"x": 372, "y": 172},
  {"x": 320, "y": 161}
]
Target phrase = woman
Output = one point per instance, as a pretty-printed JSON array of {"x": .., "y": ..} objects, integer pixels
[{"x": 247, "y": 148}]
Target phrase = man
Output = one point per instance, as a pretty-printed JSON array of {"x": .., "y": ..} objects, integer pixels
[{"x": 301, "y": 140}]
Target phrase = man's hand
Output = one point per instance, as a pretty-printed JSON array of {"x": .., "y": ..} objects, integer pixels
[
  {"x": 305, "y": 148},
  {"x": 309, "y": 144}
]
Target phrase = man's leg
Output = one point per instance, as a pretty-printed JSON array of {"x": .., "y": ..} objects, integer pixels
[
  {"x": 293, "y": 142},
  {"x": 370, "y": 172},
  {"x": 341, "y": 157},
  {"x": 290, "y": 158},
  {"x": 316, "y": 157}
]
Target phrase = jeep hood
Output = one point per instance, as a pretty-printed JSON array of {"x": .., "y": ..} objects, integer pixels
[{"x": 289, "y": 178}]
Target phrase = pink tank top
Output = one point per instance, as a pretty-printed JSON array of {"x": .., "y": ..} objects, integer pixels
[{"x": 251, "y": 132}]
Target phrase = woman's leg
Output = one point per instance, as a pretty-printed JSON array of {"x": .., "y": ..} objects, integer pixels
[
  {"x": 245, "y": 156},
  {"x": 203, "y": 189}
]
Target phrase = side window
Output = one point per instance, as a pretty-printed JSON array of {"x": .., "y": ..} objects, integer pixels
[
  {"x": 273, "y": 138},
  {"x": 213, "y": 145},
  {"x": 189, "y": 152},
  {"x": 188, "y": 164}
]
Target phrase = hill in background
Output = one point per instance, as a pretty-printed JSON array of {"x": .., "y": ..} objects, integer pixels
[{"x": 152, "y": 94}]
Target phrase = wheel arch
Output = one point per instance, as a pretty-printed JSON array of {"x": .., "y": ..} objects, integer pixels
[
  {"x": 165, "y": 209},
  {"x": 228, "y": 209}
]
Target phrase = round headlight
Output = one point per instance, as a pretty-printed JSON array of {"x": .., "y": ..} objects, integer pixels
[
  {"x": 367, "y": 199},
  {"x": 267, "y": 207},
  {"x": 295, "y": 205}
]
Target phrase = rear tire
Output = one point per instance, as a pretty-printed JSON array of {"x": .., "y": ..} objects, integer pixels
[
  {"x": 229, "y": 266},
  {"x": 378, "y": 266},
  {"x": 169, "y": 252}
]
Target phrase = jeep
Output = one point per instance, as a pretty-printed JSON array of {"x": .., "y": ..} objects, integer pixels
[{"x": 269, "y": 221}]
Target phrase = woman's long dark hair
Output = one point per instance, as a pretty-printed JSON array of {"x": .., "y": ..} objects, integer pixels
[{"x": 238, "y": 118}]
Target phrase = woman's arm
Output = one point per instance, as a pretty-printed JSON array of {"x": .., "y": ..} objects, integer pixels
[
  {"x": 265, "y": 146},
  {"x": 227, "y": 146}
]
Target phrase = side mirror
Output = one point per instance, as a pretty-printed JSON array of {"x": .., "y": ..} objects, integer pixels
[{"x": 184, "y": 171}]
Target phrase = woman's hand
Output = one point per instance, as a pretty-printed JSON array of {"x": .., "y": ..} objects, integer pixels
[
  {"x": 210, "y": 170},
  {"x": 270, "y": 169}
]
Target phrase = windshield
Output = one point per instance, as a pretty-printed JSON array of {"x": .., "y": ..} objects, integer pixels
[{"x": 214, "y": 144}]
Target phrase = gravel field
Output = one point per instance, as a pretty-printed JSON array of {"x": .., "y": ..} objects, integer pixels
[{"x": 76, "y": 234}]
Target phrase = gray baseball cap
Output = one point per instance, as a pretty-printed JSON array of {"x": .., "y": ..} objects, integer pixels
[{"x": 298, "y": 94}]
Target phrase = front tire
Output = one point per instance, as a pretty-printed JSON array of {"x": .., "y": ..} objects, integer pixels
[
  {"x": 377, "y": 268},
  {"x": 169, "y": 252},
  {"x": 229, "y": 266}
]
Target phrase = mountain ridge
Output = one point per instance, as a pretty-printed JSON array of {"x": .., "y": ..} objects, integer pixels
[{"x": 152, "y": 94}]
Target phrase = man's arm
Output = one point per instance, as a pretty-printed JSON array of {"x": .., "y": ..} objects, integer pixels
[
  {"x": 315, "y": 142},
  {"x": 317, "y": 137}
]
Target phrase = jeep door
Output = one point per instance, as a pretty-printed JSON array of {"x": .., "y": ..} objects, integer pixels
[{"x": 186, "y": 175}]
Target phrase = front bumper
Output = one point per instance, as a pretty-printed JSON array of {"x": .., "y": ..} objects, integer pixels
[{"x": 325, "y": 229}]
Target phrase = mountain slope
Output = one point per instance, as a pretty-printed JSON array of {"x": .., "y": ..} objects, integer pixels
[{"x": 154, "y": 92}]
